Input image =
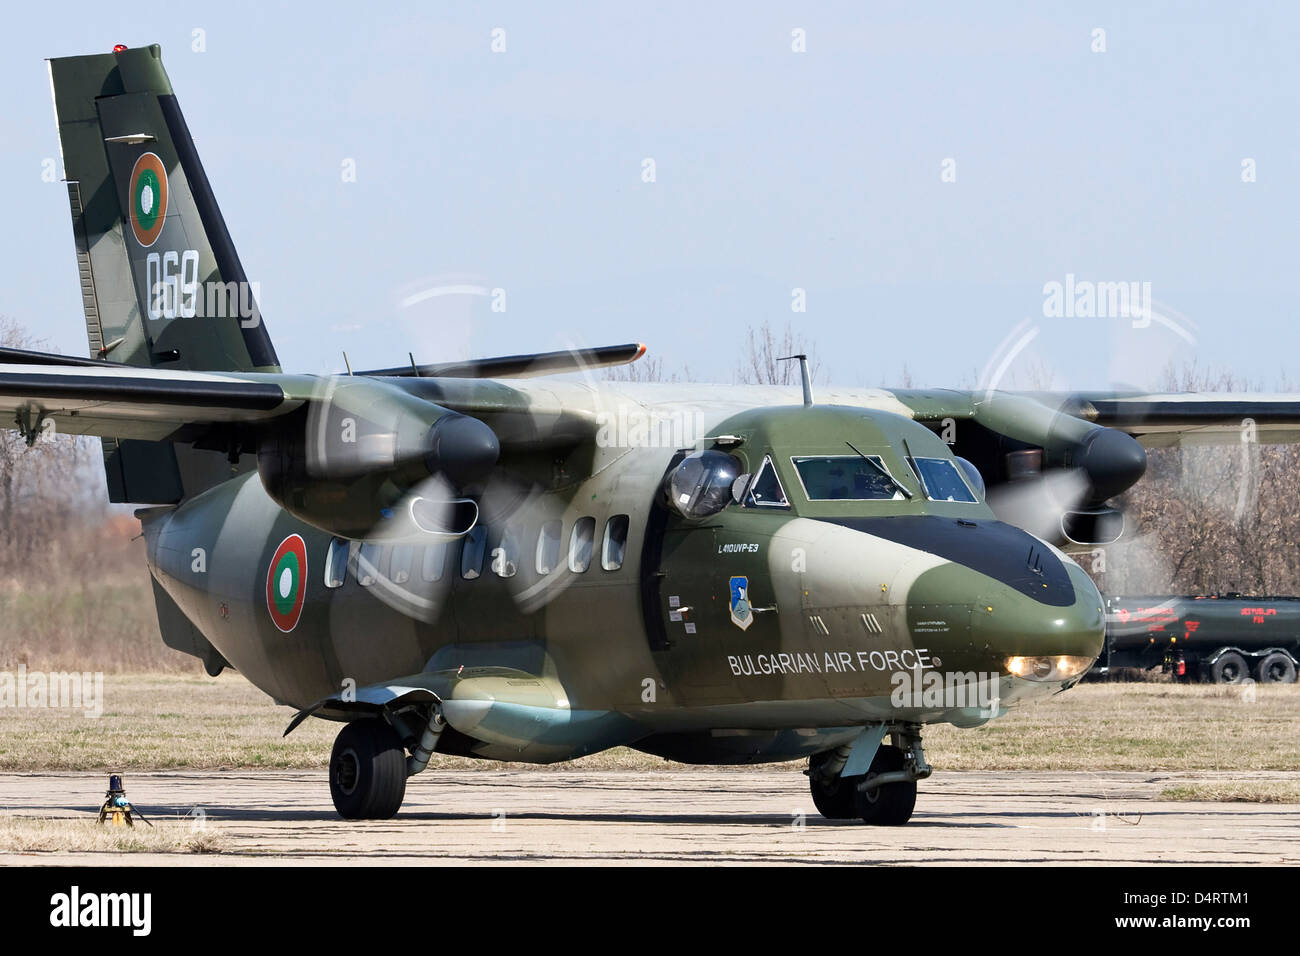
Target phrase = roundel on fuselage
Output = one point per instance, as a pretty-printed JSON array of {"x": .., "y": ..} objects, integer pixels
[{"x": 286, "y": 583}]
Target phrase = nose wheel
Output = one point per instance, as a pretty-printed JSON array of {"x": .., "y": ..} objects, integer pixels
[
  {"x": 833, "y": 795},
  {"x": 885, "y": 804},
  {"x": 885, "y": 795}
]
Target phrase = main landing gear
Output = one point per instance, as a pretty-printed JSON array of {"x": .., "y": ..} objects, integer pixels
[
  {"x": 369, "y": 765},
  {"x": 883, "y": 796},
  {"x": 367, "y": 770}
]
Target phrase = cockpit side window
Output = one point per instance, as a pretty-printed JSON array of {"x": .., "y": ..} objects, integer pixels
[
  {"x": 765, "y": 490},
  {"x": 941, "y": 480},
  {"x": 846, "y": 478}
]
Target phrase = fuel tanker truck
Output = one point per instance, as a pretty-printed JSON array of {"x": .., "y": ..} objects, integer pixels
[{"x": 1226, "y": 638}]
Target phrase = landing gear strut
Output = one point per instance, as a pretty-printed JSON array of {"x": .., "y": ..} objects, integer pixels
[{"x": 883, "y": 796}]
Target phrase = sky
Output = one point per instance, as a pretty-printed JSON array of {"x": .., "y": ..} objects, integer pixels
[{"x": 913, "y": 175}]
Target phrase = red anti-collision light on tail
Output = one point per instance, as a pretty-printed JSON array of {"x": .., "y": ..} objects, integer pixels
[{"x": 119, "y": 47}]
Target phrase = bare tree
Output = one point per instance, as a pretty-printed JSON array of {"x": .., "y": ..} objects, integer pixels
[
  {"x": 760, "y": 361},
  {"x": 1212, "y": 518},
  {"x": 45, "y": 486}
]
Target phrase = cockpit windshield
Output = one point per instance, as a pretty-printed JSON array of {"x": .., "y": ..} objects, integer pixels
[
  {"x": 846, "y": 478},
  {"x": 941, "y": 480}
]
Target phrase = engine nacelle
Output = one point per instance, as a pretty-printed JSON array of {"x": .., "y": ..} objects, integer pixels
[
  {"x": 1092, "y": 528},
  {"x": 361, "y": 446},
  {"x": 1053, "y": 472}
]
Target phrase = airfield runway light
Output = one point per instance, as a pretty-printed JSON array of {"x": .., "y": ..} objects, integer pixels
[{"x": 1043, "y": 668}]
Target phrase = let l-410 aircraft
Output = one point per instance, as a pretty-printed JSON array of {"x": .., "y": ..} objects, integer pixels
[{"x": 462, "y": 559}]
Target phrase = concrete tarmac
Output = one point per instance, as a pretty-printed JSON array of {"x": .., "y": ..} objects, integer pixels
[{"x": 714, "y": 816}]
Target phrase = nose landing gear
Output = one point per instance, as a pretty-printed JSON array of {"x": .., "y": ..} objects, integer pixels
[{"x": 883, "y": 796}]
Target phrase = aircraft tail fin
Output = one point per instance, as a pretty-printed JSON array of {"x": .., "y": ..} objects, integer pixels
[{"x": 161, "y": 283}]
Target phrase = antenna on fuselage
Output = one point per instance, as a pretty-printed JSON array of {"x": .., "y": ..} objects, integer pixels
[{"x": 803, "y": 375}]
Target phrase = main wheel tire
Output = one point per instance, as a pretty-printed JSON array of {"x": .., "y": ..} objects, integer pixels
[
  {"x": 890, "y": 805},
  {"x": 1230, "y": 668},
  {"x": 1276, "y": 668},
  {"x": 833, "y": 798},
  {"x": 367, "y": 771}
]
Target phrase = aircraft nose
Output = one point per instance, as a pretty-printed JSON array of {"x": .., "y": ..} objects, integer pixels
[
  {"x": 1039, "y": 641},
  {"x": 1004, "y": 601}
]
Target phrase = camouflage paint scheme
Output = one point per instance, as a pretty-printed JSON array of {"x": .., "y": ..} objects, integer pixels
[
  {"x": 233, "y": 457},
  {"x": 584, "y": 643}
]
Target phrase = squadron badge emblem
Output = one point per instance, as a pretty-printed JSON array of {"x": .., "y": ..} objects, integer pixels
[{"x": 741, "y": 614}]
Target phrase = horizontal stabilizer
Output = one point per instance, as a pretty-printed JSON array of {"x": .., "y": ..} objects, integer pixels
[{"x": 13, "y": 356}]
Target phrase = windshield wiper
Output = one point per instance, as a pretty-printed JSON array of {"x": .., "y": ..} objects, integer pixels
[{"x": 881, "y": 468}]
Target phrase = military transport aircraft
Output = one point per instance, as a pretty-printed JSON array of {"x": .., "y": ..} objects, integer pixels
[{"x": 474, "y": 559}]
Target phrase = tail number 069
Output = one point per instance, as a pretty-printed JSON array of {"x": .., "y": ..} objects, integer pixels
[{"x": 173, "y": 282}]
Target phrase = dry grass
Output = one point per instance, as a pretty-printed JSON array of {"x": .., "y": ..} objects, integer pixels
[
  {"x": 166, "y": 722},
  {"x": 85, "y": 835},
  {"x": 1255, "y": 791},
  {"x": 1134, "y": 727},
  {"x": 89, "y": 609}
]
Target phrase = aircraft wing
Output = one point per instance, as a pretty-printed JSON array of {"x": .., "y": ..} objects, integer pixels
[
  {"x": 1157, "y": 420},
  {"x": 123, "y": 402},
  {"x": 96, "y": 397},
  {"x": 523, "y": 366},
  {"x": 1161, "y": 420}
]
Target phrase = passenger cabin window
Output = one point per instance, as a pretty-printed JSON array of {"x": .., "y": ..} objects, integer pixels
[
  {"x": 941, "y": 480},
  {"x": 368, "y": 564},
  {"x": 336, "y": 562},
  {"x": 611, "y": 555},
  {"x": 548, "y": 547},
  {"x": 471, "y": 555},
  {"x": 399, "y": 567},
  {"x": 846, "y": 478},
  {"x": 505, "y": 556},
  {"x": 581, "y": 541},
  {"x": 435, "y": 556},
  {"x": 765, "y": 490}
]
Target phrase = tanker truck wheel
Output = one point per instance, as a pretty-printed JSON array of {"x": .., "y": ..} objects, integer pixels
[
  {"x": 1277, "y": 668},
  {"x": 1230, "y": 668}
]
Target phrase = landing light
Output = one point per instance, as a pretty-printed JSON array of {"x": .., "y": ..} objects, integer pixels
[{"x": 1048, "y": 668}]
